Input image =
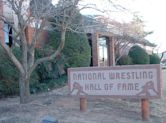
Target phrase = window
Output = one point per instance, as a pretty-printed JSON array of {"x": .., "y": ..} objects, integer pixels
[
  {"x": 8, "y": 34},
  {"x": 103, "y": 52}
]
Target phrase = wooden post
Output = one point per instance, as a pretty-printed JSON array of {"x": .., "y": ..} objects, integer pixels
[
  {"x": 145, "y": 109},
  {"x": 83, "y": 104},
  {"x": 95, "y": 37},
  {"x": 111, "y": 51}
]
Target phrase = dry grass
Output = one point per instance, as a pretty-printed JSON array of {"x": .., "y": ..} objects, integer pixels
[{"x": 66, "y": 109}]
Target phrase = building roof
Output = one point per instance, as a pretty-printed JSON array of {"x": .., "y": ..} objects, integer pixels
[{"x": 105, "y": 27}]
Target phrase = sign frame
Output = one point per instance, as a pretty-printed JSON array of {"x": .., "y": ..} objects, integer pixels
[{"x": 124, "y": 67}]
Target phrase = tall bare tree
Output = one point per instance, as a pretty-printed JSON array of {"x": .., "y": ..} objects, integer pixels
[
  {"x": 126, "y": 34},
  {"x": 37, "y": 14}
]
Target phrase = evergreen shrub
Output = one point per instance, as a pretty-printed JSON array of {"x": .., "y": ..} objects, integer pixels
[
  {"x": 77, "y": 51},
  {"x": 154, "y": 59},
  {"x": 139, "y": 55},
  {"x": 125, "y": 60}
]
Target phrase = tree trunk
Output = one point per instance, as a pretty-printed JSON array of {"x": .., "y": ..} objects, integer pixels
[{"x": 24, "y": 89}]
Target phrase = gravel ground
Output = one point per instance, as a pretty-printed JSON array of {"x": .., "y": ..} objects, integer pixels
[{"x": 66, "y": 109}]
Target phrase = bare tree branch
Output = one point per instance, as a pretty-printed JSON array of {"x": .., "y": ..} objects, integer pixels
[{"x": 12, "y": 57}]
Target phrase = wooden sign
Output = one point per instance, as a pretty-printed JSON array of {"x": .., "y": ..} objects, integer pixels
[{"x": 133, "y": 81}]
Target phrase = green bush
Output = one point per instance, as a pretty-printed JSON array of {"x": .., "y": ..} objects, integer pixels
[
  {"x": 42, "y": 79},
  {"x": 77, "y": 52},
  {"x": 154, "y": 59},
  {"x": 125, "y": 60},
  {"x": 50, "y": 69},
  {"x": 8, "y": 87},
  {"x": 47, "y": 75},
  {"x": 9, "y": 74},
  {"x": 139, "y": 55},
  {"x": 46, "y": 85}
]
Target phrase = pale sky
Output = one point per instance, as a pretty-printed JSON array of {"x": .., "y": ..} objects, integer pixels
[{"x": 152, "y": 12}]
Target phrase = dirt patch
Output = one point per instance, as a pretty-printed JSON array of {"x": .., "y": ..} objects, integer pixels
[{"x": 58, "y": 104}]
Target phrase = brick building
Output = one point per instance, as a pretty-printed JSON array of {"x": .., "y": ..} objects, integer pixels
[
  {"x": 6, "y": 31},
  {"x": 1, "y": 23},
  {"x": 106, "y": 40},
  {"x": 102, "y": 38}
]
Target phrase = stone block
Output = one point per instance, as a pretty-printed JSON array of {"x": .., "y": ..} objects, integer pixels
[{"x": 49, "y": 119}]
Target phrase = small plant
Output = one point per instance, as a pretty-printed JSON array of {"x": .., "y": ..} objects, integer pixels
[
  {"x": 154, "y": 59},
  {"x": 139, "y": 55},
  {"x": 125, "y": 60}
]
